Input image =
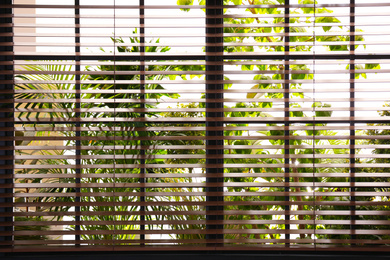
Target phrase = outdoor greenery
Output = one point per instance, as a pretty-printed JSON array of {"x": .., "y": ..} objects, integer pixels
[{"x": 248, "y": 151}]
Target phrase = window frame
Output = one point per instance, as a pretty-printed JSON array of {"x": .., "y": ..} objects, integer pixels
[{"x": 214, "y": 59}]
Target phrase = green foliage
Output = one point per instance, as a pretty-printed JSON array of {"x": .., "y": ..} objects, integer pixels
[
  {"x": 263, "y": 91},
  {"x": 241, "y": 147}
]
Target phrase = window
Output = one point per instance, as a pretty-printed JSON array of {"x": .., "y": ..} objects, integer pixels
[{"x": 194, "y": 125}]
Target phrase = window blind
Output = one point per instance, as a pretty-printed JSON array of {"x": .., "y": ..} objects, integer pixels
[{"x": 194, "y": 125}]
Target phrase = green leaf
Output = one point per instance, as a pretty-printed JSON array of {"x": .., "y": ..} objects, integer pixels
[
  {"x": 326, "y": 113},
  {"x": 373, "y": 66},
  {"x": 242, "y": 151},
  {"x": 255, "y": 95},
  {"x": 276, "y": 132},
  {"x": 247, "y": 67},
  {"x": 185, "y": 2}
]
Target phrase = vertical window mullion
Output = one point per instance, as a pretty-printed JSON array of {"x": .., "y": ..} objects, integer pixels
[
  {"x": 7, "y": 131},
  {"x": 214, "y": 68},
  {"x": 77, "y": 114}
]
